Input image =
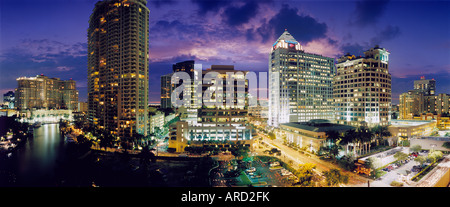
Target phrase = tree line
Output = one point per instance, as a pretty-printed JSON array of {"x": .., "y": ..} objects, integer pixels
[{"x": 357, "y": 141}]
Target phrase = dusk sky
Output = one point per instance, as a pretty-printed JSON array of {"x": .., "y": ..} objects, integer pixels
[{"x": 50, "y": 36}]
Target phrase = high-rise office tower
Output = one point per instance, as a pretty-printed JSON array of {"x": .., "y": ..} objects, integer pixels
[
  {"x": 362, "y": 89},
  {"x": 118, "y": 66},
  {"x": 167, "y": 87},
  {"x": 222, "y": 116},
  {"x": 166, "y": 91},
  {"x": 42, "y": 92},
  {"x": 428, "y": 87},
  {"x": 300, "y": 83}
]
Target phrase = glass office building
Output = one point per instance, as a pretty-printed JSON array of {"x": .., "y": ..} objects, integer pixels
[{"x": 300, "y": 83}]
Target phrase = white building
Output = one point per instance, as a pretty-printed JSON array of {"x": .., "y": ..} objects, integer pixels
[
  {"x": 300, "y": 83},
  {"x": 362, "y": 89},
  {"x": 156, "y": 122}
]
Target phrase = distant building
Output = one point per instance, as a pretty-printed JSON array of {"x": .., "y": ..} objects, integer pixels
[
  {"x": 362, "y": 89},
  {"x": 411, "y": 104},
  {"x": 442, "y": 120},
  {"x": 438, "y": 104},
  {"x": 83, "y": 107},
  {"x": 167, "y": 87},
  {"x": 8, "y": 100},
  {"x": 42, "y": 92},
  {"x": 166, "y": 91},
  {"x": 395, "y": 111},
  {"x": 300, "y": 83},
  {"x": 428, "y": 87},
  {"x": 423, "y": 100},
  {"x": 258, "y": 111}
]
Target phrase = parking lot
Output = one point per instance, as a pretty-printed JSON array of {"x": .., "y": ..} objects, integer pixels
[
  {"x": 399, "y": 174},
  {"x": 255, "y": 173},
  {"x": 402, "y": 173}
]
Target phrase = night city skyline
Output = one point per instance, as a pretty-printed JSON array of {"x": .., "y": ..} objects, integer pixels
[
  {"x": 224, "y": 93},
  {"x": 49, "y": 37}
]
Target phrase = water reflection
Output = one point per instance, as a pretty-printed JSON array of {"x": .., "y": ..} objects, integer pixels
[{"x": 36, "y": 161}]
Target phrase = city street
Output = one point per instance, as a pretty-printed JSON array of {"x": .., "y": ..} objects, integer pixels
[{"x": 297, "y": 158}]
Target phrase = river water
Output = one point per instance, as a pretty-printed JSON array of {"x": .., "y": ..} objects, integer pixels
[{"x": 34, "y": 163}]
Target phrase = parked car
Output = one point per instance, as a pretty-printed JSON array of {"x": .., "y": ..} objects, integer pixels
[{"x": 250, "y": 170}]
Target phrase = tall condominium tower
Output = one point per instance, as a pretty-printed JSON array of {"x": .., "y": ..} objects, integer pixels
[
  {"x": 300, "y": 83},
  {"x": 362, "y": 89},
  {"x": 118, "y": 66},
  {"x": 42, "y": 92}
]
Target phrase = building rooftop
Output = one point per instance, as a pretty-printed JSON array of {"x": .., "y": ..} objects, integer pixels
[
  {"x": 445, "y": 139},
  {"x": 318, "y": 125},
  {"x": 407, "y": 123},
  {"x": 287, "y": 37}
]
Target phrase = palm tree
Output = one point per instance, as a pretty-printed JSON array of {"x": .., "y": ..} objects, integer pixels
[
  {"x": 381, "y": 132},
  {"x": 370, "y": 136},
  {"x": 349, "y": 137},
  {"x": 365, "y": 136},
  {"x": 332, "y": 138}
]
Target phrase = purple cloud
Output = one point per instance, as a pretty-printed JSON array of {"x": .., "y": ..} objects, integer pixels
[
  {"x": 368, "y": 12},
  {"x": 303, "y": 27}
]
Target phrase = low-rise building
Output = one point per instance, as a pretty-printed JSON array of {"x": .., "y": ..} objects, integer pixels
[
  {"x": 411, "y": 128},
  {"x": 178, "y": 136},
  {"x": 45, "y": 115},
  {"x": 311, "y": 134},
  {"x": 169, "y": 117},
  {"x": 156, "y": 122},
  {"x": 442, "y": 122}
]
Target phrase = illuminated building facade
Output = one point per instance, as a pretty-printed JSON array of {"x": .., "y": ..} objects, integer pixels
[
  {"x": 310, "y": 135},
  {"x": 166, "y": 91},
  {"x": 167, "y": 87},
  {"x": 422, "y": 100},
  {"x": 441, "y": 103},
  {"x": 411, "y": 104},
  {"x": 428, "y": 87},
  {"x": 216, "y": 124},
  {"x": 362, "y": 89},
  {"x": 42, "y": 92},
  {"x": 300, "y": 83},
  {"x": 118, "y": 61},
  {"x": 8, "y": 100}
]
